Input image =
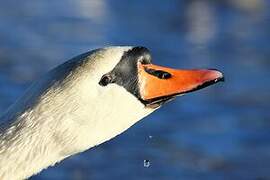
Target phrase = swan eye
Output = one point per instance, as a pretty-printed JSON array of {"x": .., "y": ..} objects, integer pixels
[{"x": 105, "y": 80}]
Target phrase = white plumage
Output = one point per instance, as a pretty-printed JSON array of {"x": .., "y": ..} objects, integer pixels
[{"x": 66, "y": 112}]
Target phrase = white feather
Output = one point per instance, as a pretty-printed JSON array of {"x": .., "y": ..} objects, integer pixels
[{"x": 64, "y": 113}]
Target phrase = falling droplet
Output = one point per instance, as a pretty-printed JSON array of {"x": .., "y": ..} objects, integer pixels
[{"x": 146, "y": 163}]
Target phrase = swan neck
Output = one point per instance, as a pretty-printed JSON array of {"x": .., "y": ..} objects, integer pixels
[{"x": 22, "y": 151}]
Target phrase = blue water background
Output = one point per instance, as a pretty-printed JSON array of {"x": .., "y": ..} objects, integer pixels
[{"x": 222, "y": 132}]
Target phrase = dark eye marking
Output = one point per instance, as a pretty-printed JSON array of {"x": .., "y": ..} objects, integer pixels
[
  {"x": 158, "y": 73},
  {"x": 105, "y": 80}
]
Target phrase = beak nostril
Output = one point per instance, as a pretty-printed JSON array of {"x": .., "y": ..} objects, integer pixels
[
  {"x": 158, "y": 73},
  {"x": 165, "y": 75}
]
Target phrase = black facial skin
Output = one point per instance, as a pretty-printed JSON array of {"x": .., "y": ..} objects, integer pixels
[{"x": 125, "y": 73}]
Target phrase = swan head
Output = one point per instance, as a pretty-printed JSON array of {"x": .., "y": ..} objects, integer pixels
[
  {"x": 131, "y": 69},
  {"x": 102, "y": 93}
]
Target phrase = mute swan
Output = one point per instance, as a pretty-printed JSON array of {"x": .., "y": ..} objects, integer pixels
[{"x": 85, "y": 102}]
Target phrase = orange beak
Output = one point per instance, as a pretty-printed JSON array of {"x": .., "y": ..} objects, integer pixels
[{"x": 157, "y": 82}]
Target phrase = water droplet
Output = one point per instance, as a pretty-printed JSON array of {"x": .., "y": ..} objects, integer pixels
[
  {"x": 150, "y": 137},
  {"x": 146, "y": 163}
]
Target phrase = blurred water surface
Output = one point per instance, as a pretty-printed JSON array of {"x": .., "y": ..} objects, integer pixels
[{"x": 221, "y": 132}]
